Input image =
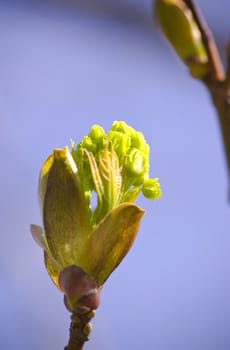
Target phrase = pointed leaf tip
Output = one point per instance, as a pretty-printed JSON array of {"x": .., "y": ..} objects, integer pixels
[{"x": 38, "y": 236}]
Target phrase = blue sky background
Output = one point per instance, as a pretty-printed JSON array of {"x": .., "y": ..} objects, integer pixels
[{"x": 62, "y": 69}]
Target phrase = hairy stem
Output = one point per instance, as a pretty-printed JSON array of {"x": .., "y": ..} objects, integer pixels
[{"x": 80, "y": 328}]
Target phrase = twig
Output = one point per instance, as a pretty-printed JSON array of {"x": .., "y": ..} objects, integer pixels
[
  {"x": 227, "y": 80},
  {"x": 80, "y": 328},
  {"x": 220, "y": 94},
  {"x": 217, "y": 83}
]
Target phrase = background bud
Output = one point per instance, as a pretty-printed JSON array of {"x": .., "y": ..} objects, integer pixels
[{"x": 179, "y": 26}]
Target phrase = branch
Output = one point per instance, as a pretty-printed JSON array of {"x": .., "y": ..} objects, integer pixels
[
  {"x": 220, "y": 94},
  {"x": 218, "y": 83},
  {"x": 216, "y": 80}
]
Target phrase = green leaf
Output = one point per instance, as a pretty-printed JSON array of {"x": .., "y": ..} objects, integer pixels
[
  {"x": 52, "y": 267},
  {"x": 111, "y": 241},
  {"x": 65, "y": 214}
]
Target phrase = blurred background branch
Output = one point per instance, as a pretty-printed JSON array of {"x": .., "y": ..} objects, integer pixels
[{"x": 190, "y": 36}]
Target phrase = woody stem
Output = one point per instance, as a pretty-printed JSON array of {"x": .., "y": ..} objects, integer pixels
[{"x": 80, "y": 328}]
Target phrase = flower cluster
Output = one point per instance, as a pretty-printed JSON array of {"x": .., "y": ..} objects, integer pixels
[{"x": 115, "y": 166}]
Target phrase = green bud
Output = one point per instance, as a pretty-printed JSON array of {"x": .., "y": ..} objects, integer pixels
[
  {"x": 89, "y": 144},
  {"x": 122, "y": 127},
  {"x": 151, "y": 189},
  {"x": 136, "y": 166},
  {"x": 79, "y": 239},
  {"x": 181, "y": 30},
  {"x": 97, "y": 135},
  {"x": 120, "y": 142}
]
